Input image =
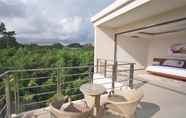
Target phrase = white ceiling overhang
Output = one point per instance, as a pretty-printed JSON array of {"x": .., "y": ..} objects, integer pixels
[
  {"x": 164, "y": 31},
  {"x": 137, "y": 10}
]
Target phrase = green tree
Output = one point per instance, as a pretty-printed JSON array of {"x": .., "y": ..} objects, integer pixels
[{"x": 7, "y": 38}]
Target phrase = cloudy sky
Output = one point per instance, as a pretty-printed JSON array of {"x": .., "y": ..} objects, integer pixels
[{"x": 51, "y": 21}]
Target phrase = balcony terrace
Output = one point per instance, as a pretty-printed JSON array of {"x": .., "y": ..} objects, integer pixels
[{"x": 25, "y": 93}]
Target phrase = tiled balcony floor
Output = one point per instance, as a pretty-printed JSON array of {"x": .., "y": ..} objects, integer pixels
[{"x": 163, "y": 99}]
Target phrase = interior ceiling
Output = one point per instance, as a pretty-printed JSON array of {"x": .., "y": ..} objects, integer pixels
[
  {"x": 159, "y": 32},
  {"x": 152, "y": 8}
]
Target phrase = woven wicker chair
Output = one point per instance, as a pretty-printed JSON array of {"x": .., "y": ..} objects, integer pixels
[
  {"x": 125, "y": 101},
  {"x": 68, "y": 112}
]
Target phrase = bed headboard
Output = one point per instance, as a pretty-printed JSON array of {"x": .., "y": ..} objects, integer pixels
[{"x": 162, "y": 60}]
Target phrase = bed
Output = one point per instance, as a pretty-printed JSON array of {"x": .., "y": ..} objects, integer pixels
[{"x": 169, "y": 68}]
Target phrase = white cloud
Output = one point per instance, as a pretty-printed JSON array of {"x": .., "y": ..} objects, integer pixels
[
  {"x": 71, "y": 25},
  {"x": 50, "y": 21}
]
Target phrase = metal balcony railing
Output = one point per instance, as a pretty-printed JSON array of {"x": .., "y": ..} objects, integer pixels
[
  {"x": 119, "y": 69},
  {"x": 29, "y": 89}
]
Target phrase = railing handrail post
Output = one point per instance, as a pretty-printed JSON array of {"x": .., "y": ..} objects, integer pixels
[
  {"x": 91, "y": 74},
  {"x": 59, "y": 81},
  {"x": 131, "y": 75},
  {"x": 105, "y": 68},
  {"x": 116, "y": 70},
  {"x": 114, "y": 75},
  {"x": 97, "y": 65},
  {"x": 7, "y": 94},
  {"x": 18, "y": 106}
]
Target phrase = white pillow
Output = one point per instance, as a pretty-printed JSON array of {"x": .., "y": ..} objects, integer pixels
[{"x": 174, "y": 63}]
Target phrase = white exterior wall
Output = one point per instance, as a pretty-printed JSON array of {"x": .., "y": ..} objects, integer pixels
[{"x": 104, "y": 44}]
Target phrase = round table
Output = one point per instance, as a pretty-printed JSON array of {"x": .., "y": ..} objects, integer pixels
[{"x": 92, "y": 93}]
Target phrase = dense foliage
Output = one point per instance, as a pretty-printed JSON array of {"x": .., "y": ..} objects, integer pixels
[{"x": 29, "y": 58}]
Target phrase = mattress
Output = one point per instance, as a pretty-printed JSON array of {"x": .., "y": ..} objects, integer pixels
[{"x": 170, "y": 72}]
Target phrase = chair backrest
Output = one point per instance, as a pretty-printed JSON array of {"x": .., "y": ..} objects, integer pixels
[
  {"x": 130, "y": 94},
  {"x": 65, "y": 114}
]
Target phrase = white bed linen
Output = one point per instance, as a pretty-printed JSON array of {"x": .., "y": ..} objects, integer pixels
[{"x": 181, "y": 72}]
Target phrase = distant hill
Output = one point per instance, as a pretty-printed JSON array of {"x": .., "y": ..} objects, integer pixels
[
  {"x": 78, "y": 45},
  {"x": 74, "y": 45},
  {"x": 59, "y": 45},
  {"x": 88, "y": 45}
]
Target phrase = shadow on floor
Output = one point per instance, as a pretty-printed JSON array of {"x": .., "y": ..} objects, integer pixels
[
  {"x": 108, "y": 114},
  {"x": 147, "y": 110}
]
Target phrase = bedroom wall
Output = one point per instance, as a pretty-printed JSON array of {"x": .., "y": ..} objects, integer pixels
[
  {"x": 133, "y": 50},
  {"x": 158, "y": 48}
]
